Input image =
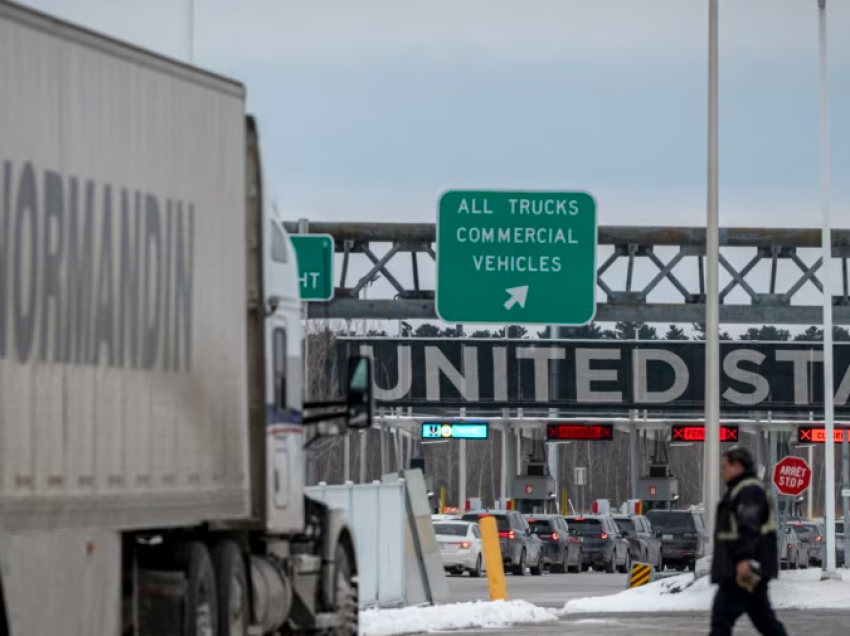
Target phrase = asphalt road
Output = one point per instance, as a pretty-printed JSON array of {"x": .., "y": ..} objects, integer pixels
[
  {"x": 549, "y": 590},
  {"x": 820, "y": 622},
  {"x": 553, "y": 590}
]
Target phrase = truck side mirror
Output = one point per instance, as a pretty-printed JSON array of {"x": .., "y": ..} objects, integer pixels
[{"x": 359, "y": 400}]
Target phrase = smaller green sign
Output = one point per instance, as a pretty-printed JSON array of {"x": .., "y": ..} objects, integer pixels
[
  {"x": 456, "y": 430},
  {"x": 315, "y": 254}
]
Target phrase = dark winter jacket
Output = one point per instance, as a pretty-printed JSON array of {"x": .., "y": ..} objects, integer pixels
[{"x": 745, "y": 528}]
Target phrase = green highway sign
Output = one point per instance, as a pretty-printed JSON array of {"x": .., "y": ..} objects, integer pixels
[
  {"x": 315, "y": 254},
  {"x": 516, "y": 257}
]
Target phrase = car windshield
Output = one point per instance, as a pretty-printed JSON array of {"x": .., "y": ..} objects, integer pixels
[
  {"x": 585, "y": 526},
  {"x": 625, "y": 525},
  {"x": 539, "y": 526},
  {"x": 502, "y": 522},
  {"x": 453, "y": 529},
  {"x": 807, "y": 531},
  {"x": 681, "y": 521}
]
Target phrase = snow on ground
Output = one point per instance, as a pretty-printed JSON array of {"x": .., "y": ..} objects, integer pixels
[
  {"x": 801, "y": 589},
  {"x": 412, "y": 620}
]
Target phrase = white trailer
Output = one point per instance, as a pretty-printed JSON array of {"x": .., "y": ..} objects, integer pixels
[{"x": 151, "y": 415}]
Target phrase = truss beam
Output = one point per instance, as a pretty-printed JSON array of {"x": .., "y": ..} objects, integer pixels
[{"x": 363, "y": 241}]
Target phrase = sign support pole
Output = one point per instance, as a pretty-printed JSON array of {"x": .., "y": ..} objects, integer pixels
[
  {"x": 711, "y": 477},
  {"x": 826, "y": 246}
]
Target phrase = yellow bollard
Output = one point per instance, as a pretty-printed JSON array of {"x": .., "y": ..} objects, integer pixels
[
  {"x": 564, "y": 502},
  {"x": 493, "y": 559}
]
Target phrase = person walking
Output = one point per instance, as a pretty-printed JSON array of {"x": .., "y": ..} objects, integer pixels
[{"x": 746, "y": 552}]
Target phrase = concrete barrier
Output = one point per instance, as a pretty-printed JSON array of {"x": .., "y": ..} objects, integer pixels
[{"x": 378, "y": 516}]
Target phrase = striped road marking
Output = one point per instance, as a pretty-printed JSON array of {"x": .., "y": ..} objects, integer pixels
[{"x": 641, "y": 574}]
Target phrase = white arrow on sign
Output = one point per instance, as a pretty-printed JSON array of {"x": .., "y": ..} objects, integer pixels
[{"x": 518, "y": 296}]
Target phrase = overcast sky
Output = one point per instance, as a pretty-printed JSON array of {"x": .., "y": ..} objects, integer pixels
[{"x": 369, "y": 109}]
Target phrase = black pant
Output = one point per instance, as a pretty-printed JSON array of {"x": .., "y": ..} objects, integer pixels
[{"x": 732, "y": 601}]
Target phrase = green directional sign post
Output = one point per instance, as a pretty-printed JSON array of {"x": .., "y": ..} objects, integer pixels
[
  {"x": 516, "y": 257},
  {"x": 315, "y": 253}
]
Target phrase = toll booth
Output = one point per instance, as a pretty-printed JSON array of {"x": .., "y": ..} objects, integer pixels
[
  {"x": 660, "y": 490},
  {"x": 533, "y": 493}
]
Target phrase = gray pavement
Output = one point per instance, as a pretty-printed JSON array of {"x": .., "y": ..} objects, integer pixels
[
  {"x": 549, "y": 590},
  {"x": 820, "y": 622},
  {"x": 553, "y": 590}
]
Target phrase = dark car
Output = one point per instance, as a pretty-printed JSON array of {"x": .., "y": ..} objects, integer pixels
[
  {"x": 839, "y": 544},
  {"x": 561, "y": 550},
  {"x": 521, "y": 548},
  {"x": 602, "y": 545},
  {"x": 682, "y": 534},
  {"x": 644, "y": 546}
]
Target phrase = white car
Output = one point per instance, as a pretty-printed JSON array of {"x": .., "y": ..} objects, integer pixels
[{"x": 460, "y": 546}]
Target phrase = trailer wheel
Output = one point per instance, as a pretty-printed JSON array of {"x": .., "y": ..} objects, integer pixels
[
  {"x": 201, "y": 605},
  {"x": 346, "y": 594},
  {"x": 232, "y": 581}
]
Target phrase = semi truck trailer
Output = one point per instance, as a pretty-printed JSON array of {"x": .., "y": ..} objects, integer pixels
[{"x": 152, "y": 416}]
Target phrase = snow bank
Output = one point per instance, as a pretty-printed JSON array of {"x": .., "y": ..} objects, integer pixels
[
  {"x": 412, "y": 620},
  {"x": 794, "y": 590}
]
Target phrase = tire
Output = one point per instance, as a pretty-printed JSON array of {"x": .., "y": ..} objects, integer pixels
[
  {"x": 627, "y": 565},
  {"x": 584, "y": 568},
  {"x": 659, "y": 567},
  {"x": 476, "y": 573},
  {"x": 537, "y": 570},
  {"x": 201, "y": 615},
  {"x": 792, "y": 564},
  {"x": 575, "y": 569},
  {"x": 345, "y": 594},
  {"x": 610, "y": 567},
  {"x": 519, "y": 568},
  {"x": 232, "y": 585},
  {"x": 560, "y": 568}
]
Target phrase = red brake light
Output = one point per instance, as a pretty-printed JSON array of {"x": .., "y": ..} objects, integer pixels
[
  {"x": 555, "y": 536},
  {"x": 507, "y": 535},
  {"x": 789, "y": 546},
  {"x": 604, "y": 536},
  {"x": 819, "y": 538},
  {"x": 465, "y": 545}
]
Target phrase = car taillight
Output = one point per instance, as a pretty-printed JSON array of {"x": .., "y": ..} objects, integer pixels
[
  {"x": 555, "y": 536},
  {"x": 507, "y": 535},
  {"x": 819, "y": 538},
  {"x": 465, "y": 545},
  {"x": 789, "y": 546},
  {"x": 604, "y": 536}
]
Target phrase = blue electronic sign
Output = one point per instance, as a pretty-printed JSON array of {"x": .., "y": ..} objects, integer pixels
[{"x": 455, "y": 430}]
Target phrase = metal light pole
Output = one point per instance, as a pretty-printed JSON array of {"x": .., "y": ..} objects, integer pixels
[
  {"x": 190, "y": 35},
  {"x": 711, "y": 468},
  {"x": 826, "y": 246}
]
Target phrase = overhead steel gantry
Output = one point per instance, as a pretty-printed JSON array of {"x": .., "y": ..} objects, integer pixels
[{"x": 359, "y": 240}]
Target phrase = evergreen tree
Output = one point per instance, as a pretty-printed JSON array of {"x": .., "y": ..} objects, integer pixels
[
  {"x": 675, "y": 333},
  {"x": 699, "y": 328},
  {"x": 428, "y": 331},
  {"x": 632, "y": 330},
  {"x": 766, "y": 333}
]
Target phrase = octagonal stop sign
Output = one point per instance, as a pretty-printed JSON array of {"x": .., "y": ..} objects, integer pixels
[{"x": 792, "y": 476}]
